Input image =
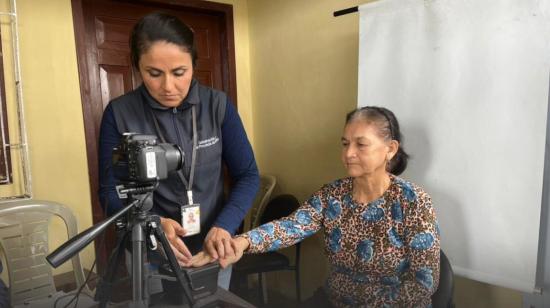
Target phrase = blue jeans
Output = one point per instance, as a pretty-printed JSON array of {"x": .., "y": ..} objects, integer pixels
[{"x": 224, "y": 277}]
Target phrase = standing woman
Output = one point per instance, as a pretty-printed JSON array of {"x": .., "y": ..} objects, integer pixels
[
  {"x": 380, "y": 231},
  {"x": 172, "y": 105}
]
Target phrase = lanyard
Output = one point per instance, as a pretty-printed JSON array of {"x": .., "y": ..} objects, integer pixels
[{"x": 188, "y": 185}]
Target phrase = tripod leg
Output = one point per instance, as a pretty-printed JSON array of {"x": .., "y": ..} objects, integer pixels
[
  {"x": 140, "y": 296},
  {"x": 181, "y": 276},
  {"x": 105, "y": 285}
]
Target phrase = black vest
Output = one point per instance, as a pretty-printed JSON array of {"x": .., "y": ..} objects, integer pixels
[{"x": 132, "y": 113}]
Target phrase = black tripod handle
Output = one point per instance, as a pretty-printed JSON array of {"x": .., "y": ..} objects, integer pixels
[
  {"x": 77, "y": 243},
  {"x": 181, "y": 276}
]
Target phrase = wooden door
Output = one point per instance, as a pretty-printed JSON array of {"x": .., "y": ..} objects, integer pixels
[{"x": 102, "y": 29}]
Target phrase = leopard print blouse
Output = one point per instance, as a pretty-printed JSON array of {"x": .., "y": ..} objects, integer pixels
[{"x": 382, "y": 254}]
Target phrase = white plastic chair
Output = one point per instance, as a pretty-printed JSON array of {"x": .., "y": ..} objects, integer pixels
[{"x": 24, "y": 242}]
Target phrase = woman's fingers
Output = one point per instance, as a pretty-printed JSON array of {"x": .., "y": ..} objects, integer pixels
[
  {"x": 201, "y": 259},
  {"x": 223, "y": 248},
  {"x": 182, "y": 260},
  {"x": 173, "y": 230},
  {"x": 179, "y": 230},
  {"x": 182, "y": 248},
  {"x": 211, "y": 249},
  {"x": 220, "y": 249},
  {"x": 214, "y": 242},
  {"x": 233, "y": 250},
  {"x": 228, "y": 248},
  {"x": 233, "y": 244}
]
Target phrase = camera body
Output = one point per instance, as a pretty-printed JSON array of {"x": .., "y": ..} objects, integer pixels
[{"x": 141, "y": 158}]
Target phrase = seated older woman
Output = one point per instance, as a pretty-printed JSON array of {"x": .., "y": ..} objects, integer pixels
[{"x": 380, "y": 231}]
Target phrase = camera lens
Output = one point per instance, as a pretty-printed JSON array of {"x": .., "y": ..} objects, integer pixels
[{"x": 174, "y": 156}]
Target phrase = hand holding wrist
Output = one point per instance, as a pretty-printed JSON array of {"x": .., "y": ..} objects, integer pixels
[{"x": 242, "y": 242}]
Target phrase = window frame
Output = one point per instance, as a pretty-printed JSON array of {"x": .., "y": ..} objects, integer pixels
[{"x": 5, "y": 157}]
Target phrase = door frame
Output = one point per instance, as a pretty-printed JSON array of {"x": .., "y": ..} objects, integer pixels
[{"x": 229, "y": 81}]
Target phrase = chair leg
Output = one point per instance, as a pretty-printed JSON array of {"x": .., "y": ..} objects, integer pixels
[
  {"x": 261, "y": 289},
  {"x": 264, "y": 288},
  {"x": 297, "y": 273},
  {"x": 298, "y": 290}
]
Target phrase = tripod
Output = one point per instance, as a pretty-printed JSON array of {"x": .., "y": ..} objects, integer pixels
[{"x": 144, "y": 228}]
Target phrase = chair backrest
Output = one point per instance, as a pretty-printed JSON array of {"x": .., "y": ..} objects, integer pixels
[
  {"x": 24, "y": 241},
  {"x": 278, "y": 207},
  {"x": 267, "y": 184},
  {"x": 443, "y": 296}
]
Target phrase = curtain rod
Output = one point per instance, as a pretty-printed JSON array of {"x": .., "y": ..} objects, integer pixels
[{"x": 346, "y": 11}]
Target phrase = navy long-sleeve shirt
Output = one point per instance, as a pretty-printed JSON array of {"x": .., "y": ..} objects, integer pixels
[{"x": 236, "y": 152}]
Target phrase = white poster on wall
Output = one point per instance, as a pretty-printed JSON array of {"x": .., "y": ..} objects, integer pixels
[{"x": 469, "y": 82}]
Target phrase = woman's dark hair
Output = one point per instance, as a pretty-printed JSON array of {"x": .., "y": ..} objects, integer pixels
[
  {"x": 157, "y": 27},
  {"x": 388, "y": 128}
]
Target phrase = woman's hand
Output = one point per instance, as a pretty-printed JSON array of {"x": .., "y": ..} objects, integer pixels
[
  {"x": 200, "y": 259},
  {"x": 239, "y": 244},
  {"x": 218, "y": 243},
  {"x": 173, "y": 230}
]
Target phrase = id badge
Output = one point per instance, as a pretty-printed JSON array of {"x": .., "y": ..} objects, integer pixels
[{"x": 191, "y": 219}]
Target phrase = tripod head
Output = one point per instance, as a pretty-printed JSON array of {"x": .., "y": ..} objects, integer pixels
[{"x": 132, "y": 191}]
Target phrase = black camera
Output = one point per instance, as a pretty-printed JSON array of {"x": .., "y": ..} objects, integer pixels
[{"x": 140, "y": 158}]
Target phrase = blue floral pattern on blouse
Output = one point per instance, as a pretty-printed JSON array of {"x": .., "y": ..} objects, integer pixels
[
  {"x": 315, "y": 202},
  {"x": 347, "y": 200},
  {"x": 365, "y": 251},
  {"x": 422, "y": 241},
  {"x": 275, "y": 246},
  {"x": 424, "y": 277},
  {"x": 291, "y": 228},
  {"x": 255, "y": 237},
  {"x": 390, "y": 280},
  {"x": 268, "y": 228},
  {"x": 389, "y": 294},
  {"x": 359, "y": 277},
  {"x": 334, "y": 209},
  {"x": 349, "y": 301},
  {"x": 397, "y": 211},
  {"x": 394, "y": 238},
  {"x": 403, "y": 266},
  {"x": 408, "y": 191},
  {"x": 334, "y": 240},
  {"x": 373, "y": 213},
  {"x": 303, "y": 217}
]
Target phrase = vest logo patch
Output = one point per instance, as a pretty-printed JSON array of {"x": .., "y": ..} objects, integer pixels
[{"x": 207, "y": 142}]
